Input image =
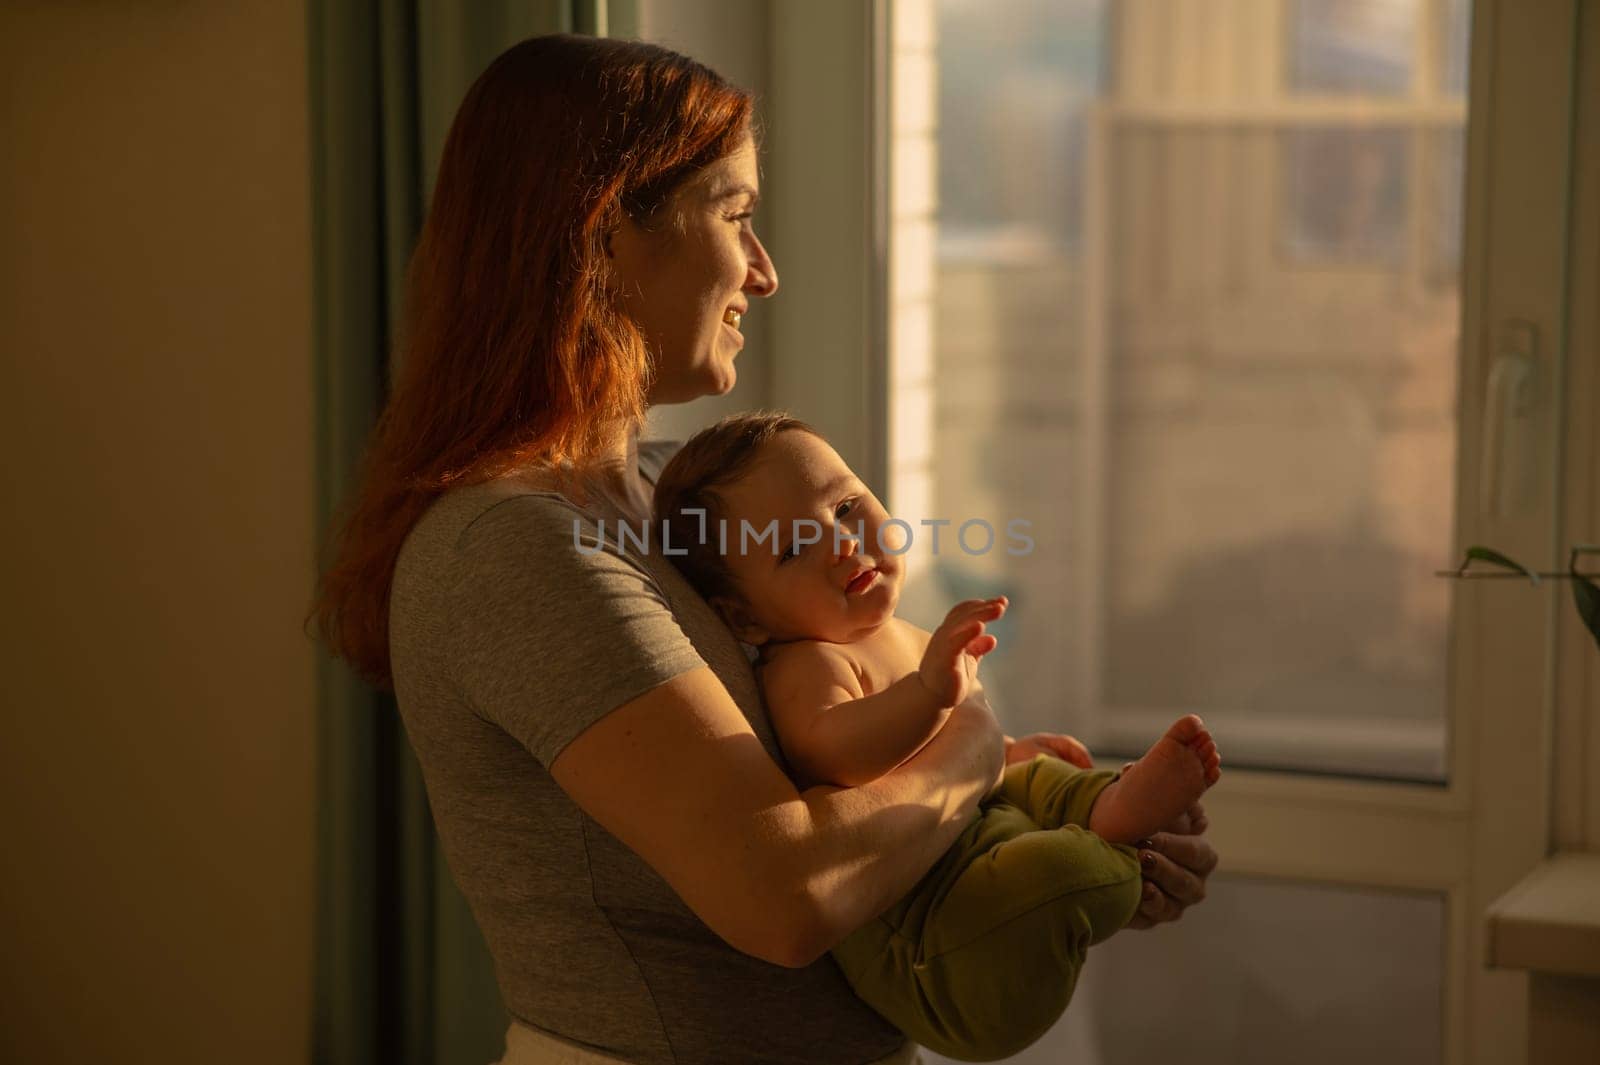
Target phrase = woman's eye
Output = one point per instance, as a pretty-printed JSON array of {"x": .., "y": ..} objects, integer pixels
[{"x": 742, "y": 217}]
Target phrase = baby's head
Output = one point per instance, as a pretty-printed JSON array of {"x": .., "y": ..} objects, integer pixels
[{"x": 751, "y": 473}]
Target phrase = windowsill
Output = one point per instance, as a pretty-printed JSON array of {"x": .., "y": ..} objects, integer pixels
[
  {"x": 1387, "y": 749},
  {"x": 1550, "y": 921}
]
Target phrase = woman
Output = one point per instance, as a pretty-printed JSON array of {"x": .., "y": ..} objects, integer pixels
[{"x": 606, "y": 786}]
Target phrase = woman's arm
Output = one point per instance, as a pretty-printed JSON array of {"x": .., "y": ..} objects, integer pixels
[{"x": 678, "y": 776}]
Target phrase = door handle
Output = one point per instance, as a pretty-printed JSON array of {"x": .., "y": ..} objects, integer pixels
[{"x": 1505, "y": 470}]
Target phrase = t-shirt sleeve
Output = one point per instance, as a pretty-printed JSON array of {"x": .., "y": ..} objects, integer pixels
[{"x": 549, "y": 639}]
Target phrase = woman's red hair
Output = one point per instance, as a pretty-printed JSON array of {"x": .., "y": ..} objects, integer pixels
[{"x": 511, "y": 352}]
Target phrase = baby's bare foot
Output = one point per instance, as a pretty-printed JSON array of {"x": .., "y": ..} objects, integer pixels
[{"x": 1152, "y": 792}]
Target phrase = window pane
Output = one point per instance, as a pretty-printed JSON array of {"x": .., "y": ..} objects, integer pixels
[
  {"x": 1345, "y": 191},
  {"x": 1446, "y": 162},
  {"x": 1457, "y": 24},
  {"x": 1017, "y": 124},
  {"x": 1355, "y": 47},
  {"x": 1206, "y": 345}
]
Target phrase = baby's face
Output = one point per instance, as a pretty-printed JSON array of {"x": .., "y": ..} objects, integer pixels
[{"x": 793, "y": 590}]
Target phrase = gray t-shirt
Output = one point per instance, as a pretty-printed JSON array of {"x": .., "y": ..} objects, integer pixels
[{"x": 506, "y": 643}]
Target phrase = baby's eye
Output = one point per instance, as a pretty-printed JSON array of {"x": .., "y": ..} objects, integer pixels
[
  {"x": 844, "y": 508},
  {"x": 792, "y": 552}
]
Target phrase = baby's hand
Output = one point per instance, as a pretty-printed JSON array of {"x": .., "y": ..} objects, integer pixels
[{"x": 949, "y": 667}]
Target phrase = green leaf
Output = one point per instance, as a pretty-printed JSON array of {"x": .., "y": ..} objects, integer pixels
[
  {"x": 1587, "y": 596},
  {"x": 1477, "y": 553},
  {"x": 1584, "y": 593}
]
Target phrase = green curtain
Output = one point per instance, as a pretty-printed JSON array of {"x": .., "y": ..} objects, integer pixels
[{"x": 402, "y": 975}]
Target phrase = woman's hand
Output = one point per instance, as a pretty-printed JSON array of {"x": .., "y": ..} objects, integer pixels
[
  {"x": 1175, "y": 865},
  {"x": 1051, "y": 743}
]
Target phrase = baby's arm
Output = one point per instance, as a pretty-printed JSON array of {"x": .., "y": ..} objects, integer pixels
[{"x": 832, "y": 732}]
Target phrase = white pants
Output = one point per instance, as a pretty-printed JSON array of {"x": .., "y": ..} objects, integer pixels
[{"x": 530, "y": 1046}]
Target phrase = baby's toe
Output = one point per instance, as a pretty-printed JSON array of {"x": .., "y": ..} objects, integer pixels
[{"x": 1187, "y": 729}]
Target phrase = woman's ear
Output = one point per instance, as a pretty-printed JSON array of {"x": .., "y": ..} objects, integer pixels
[
  {"x": 626, "y": 239},
  {"x": 628, "y": 255},
  {"x": 737, "y": 617}
]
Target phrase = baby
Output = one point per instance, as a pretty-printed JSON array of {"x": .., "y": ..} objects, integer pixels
[{"x": 981, "y": 958}]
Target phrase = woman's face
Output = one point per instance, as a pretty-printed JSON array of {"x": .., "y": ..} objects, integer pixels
[{"x": 687, "y": 281}]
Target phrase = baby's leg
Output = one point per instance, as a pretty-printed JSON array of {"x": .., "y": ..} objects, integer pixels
[
  {"x": 1152, "y": 792},
  {"x": 982, "y": 957},
  {"x": 1053, "y": 792}
]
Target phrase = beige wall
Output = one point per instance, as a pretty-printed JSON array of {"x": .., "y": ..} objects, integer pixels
[{"x": 156, "y": 775}]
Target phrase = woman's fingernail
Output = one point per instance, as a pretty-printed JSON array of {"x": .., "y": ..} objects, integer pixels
[
  {"x": 1147, "y": 860},
  {"x": 1149, "y": 892},
  {"x": 1142, "y": 844}
]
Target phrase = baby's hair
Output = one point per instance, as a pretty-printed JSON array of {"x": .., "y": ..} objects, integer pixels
[{"x": 713, "y": 459}]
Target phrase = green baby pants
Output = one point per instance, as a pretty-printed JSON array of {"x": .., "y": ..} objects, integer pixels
[{"x": 981, "y": 958}]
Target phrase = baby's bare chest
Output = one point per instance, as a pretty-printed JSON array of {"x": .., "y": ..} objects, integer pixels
[{"x": 887, "y": 655}]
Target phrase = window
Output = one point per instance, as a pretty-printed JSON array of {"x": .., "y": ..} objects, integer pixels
[
  {"x": 1200, "y": 276},
  {"x": 1028, "y": 376}
]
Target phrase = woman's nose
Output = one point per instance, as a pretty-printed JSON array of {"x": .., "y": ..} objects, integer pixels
[{"x": 762, "y": 277}]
